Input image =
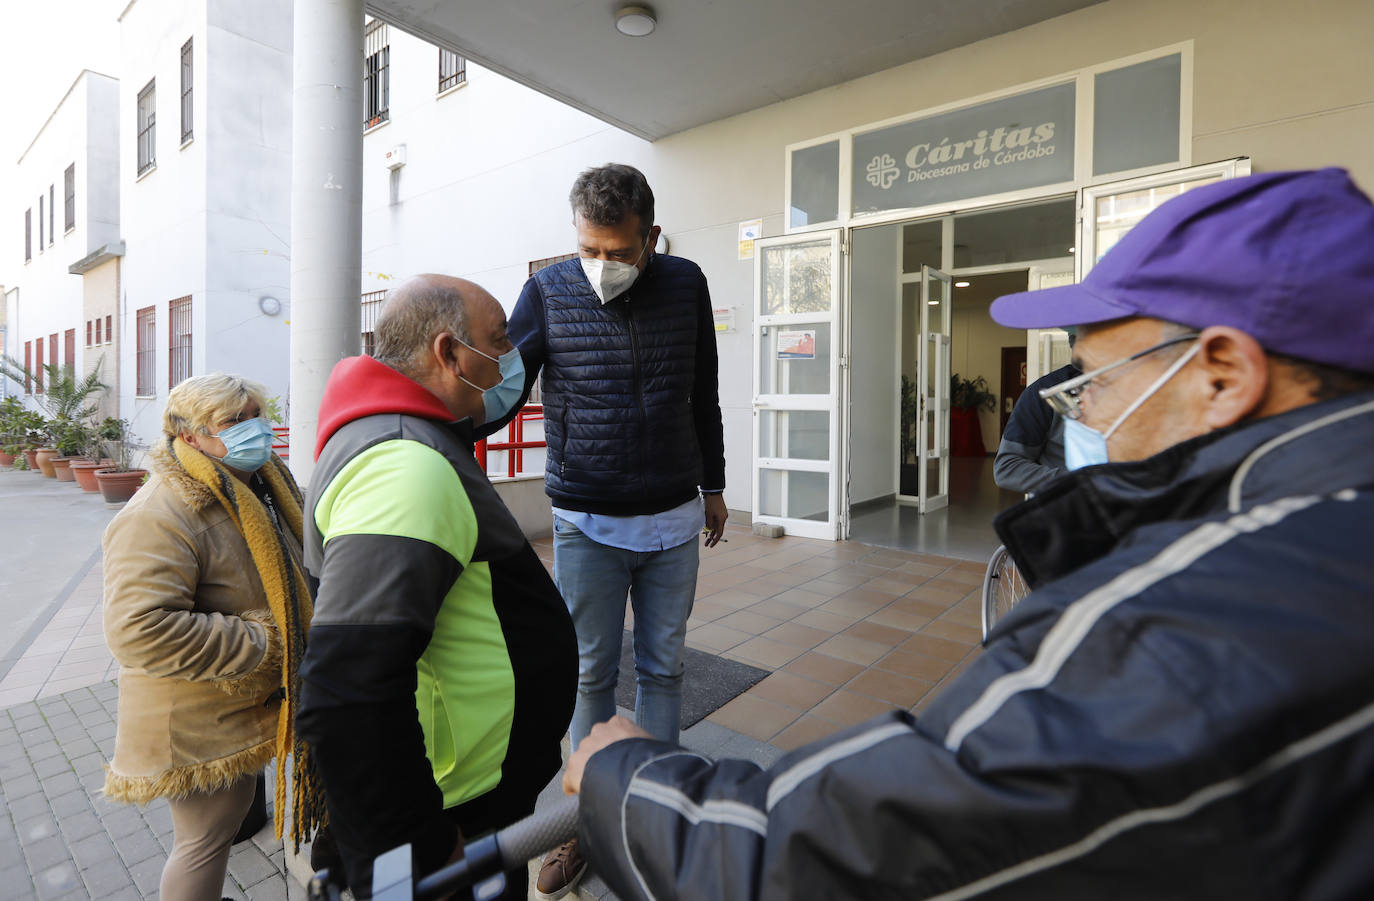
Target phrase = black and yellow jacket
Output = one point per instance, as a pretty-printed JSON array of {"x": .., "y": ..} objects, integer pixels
[{"x": 442, "y": 665}]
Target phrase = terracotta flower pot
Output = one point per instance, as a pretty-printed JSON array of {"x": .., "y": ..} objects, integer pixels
[
  {"x": 6, "y": 460},
  {"x": 62, "y": 469},
  {"x": 84, "y": 471},
  {"x": 45, "y": 456},
  {"x": 31, "y": 457},
  {"x": 117, "y": 487}
]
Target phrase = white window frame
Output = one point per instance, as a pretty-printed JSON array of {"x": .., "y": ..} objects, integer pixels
[{"x": 1084, "y": 92}]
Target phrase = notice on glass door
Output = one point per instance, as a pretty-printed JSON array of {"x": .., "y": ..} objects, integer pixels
[{"x": 797, "y": 345}]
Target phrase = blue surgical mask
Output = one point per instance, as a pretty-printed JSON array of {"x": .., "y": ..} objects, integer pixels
[
  {"x": 248, "y": 444},
  {"x": 1086, "y": 446},
  {"x": 501, "y": 398},
  {"x": 1083, "y": 446}
]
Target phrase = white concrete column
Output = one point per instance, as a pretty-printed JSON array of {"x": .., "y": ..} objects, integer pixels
[{"x": 326, "y": 208}]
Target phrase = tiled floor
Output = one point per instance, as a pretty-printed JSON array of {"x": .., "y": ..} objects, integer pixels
[
  {"x": 848, "y": 630},
  {"x": 69, "y": 653}
]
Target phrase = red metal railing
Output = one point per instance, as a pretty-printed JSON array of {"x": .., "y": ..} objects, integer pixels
[
  {"x": 515, "y": 444},
  {"x": 281, "y": 441}
]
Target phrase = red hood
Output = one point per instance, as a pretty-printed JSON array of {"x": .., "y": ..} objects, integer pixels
[{"x": 360, "y": 386}]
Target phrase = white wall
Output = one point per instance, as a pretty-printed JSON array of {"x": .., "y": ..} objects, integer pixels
[
  {"x": 163, "y": 212},
  {"x": 44, "y": 297},
  {"x": 875, "y": 379},
  {"x": 247, "y": 130}
]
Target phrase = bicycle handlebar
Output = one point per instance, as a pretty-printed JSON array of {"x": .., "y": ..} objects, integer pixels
[{"x": 392, "y": 879}]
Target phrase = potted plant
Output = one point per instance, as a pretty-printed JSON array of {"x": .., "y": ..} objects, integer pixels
[
  {"x": 12, "y": 432},
  {"x": 91, "y": 456},
  {"x": 967, "y": 397},
  {"x": 119, "y": 481}
]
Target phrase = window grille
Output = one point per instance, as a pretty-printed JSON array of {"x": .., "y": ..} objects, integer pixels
[
  {"x": 536, "y": 265},
  {"x": 179, "y": 349},
  {"x": 69, "y": 194},
  {"x": 38, "y": 366},
  {"x": 372, "y": 308},
  {"x": 97, "y": 330},
  {"x": 376, "y": 75},
  {"x": 109, "y": 329},
  {"x": 187, "y": 80},
  {"x": 28, "y": 366},
  {"x": 145, "y": 334},
  {"x": 69, "y": 351},
  {"x": 89, "y": 329},
  {"x": 147, "y": 127},
  {"x": 52, "y": 214},
  {"x": 28, "y": 234},
  {"x": 40, "y": 223},
  {"x": 453, "y": 70}
]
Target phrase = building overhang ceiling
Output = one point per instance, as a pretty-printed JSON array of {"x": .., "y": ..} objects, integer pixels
[{"x": 707, "y": 59}]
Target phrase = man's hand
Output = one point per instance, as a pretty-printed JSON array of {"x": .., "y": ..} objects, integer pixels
[
  {"x": 602, "y": 734},
  {"x": 715, "y": 518}
]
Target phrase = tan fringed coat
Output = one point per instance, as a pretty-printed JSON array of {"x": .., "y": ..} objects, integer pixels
[{"x": 187, "y": 618}]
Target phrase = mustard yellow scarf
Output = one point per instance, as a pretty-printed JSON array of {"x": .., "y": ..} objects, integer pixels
[{"x": 288, "y": 598}]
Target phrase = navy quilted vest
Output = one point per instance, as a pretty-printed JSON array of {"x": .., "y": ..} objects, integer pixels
[{"x": 618, "y": 388}]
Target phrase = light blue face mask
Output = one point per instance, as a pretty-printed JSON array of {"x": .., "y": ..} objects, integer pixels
[
  {"x": 501, "y": 398},
  {"x": 248, "y": 444},
  {"x": 1083, "y": 446}
]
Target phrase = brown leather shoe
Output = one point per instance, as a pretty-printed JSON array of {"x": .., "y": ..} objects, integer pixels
[{"x": 562, "y": 868}]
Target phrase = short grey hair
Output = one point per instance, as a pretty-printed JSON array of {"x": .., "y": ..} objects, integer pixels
[
  {"x": 414, "y": 314},
  {"x": 607, "y": 194}
]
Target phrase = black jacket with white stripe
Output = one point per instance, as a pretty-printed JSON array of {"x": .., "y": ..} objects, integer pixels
[{"x": 1184, "y": 708}]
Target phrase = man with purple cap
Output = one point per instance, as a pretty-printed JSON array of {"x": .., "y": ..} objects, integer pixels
[{"x": 1184, "y": 706}]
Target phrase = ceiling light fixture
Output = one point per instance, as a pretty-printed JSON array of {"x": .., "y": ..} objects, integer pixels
[
  {"x": 635, "y": 21},
  {"x": 932, "y": 303},
  {"x": 961, "y": 284}
]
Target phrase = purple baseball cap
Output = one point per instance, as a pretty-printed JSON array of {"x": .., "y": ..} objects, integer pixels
[{"x": 1286, "y": 257}]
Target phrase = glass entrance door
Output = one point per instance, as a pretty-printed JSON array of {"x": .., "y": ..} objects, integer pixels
[
  {"x": 933, "y": 370},
  {"x": 798, "y": 383}
]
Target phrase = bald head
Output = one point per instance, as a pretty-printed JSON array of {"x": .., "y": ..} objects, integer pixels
[{"x": 423, "y": 308}]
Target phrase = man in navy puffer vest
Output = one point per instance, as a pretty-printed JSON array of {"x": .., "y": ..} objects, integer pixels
[{"x": 636, "y": 461}]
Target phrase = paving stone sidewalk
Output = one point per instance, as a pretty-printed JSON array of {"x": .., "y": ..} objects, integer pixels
[{"x": 60, "y": 838}]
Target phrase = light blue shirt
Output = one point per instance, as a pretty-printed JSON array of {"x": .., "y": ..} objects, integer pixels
[{"x": 646, "y": 532}]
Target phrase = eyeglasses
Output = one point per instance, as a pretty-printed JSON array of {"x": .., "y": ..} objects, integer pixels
[{"x": 1066, "y": 397}]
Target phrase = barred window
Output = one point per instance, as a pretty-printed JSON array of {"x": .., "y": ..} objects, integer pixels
[
  {"x": 536, "y": 265},
  {"x": 28, "y": 234},
  {"x": 186, "y": 83},
  {"x": 179, "y": 346},
  {"x": 69, "y": 193},
  {"x": 109, "y": 329},
  {"x": 376, "y": 75},
  {"x": 28, "y": 365},
  {"x": 145, "y": 354},
  {"x": 40, "y": 223},
  {"x": 89, "y": 323},
  {"x": 97, "y": 331},
  {"x": 69, "y": 351},
  {"x": 372, "y": 308},
  {"x": 38, "y": 366},
  {"x": 147, "y": 127},
  {"x": 453, "y": 70},
  {"x": 52, "y": 215}
]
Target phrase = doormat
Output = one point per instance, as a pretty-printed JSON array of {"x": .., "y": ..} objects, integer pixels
[{"x": 708, "y": 681}]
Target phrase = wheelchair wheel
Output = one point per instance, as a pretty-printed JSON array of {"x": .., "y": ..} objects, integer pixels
[{"x": 1002, "y": 588}]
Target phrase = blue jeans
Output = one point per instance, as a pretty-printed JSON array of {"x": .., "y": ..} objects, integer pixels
[{"x": 661, "y": 585}]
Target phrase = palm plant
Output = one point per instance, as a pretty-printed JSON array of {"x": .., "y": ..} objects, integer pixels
[{"x": 70, "y": 402}]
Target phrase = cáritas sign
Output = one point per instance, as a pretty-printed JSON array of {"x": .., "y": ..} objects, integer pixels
[{"x": 1024, "y": 141}]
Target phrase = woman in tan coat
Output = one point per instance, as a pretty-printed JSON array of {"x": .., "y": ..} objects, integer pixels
[{"x": 206, "y": 606}]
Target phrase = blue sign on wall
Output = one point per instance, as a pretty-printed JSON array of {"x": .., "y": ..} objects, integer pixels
[{"x": 1024, "y": 141}]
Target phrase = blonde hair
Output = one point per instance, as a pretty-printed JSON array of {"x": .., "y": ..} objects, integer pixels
[{"x": 199, "y": 402}]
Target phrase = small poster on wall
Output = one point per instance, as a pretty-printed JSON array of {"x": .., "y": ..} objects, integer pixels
[
  {"x": 797, "y": 345},
  {"x": 724, "y": 318},
  {"x": 749, "y": 232}
]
